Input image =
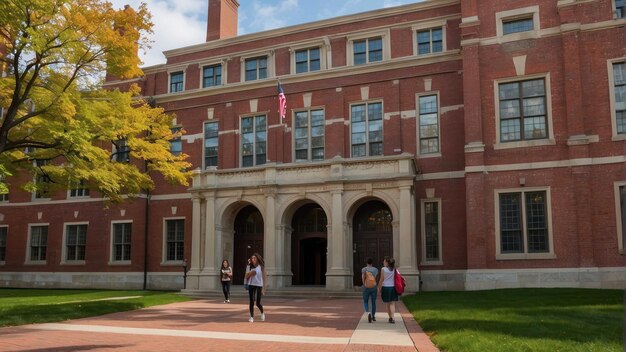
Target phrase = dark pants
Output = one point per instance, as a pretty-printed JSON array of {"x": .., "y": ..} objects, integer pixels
[
  {"x": 226, "y": 289},
  {"x": 252, "y": 292}
]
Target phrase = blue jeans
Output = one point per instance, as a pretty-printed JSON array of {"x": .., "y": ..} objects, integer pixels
[{"x": 367, "y": 293}]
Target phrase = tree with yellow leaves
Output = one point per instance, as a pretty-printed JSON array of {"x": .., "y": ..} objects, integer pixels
[{"x": 56, "y": 124}]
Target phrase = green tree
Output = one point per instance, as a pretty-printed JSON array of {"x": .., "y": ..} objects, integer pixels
[{"x": 57, "y": 123}]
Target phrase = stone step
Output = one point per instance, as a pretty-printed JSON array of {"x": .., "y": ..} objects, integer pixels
[{"x": 287, "y": 292}]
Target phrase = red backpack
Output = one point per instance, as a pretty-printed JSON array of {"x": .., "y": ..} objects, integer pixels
[{"x": 398, "y": 282}]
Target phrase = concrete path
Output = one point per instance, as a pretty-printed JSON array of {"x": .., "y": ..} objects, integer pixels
[{"x": 210, "y": 325}]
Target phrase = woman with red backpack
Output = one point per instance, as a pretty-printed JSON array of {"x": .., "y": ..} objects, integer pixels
[{"x": 386, "y": 287}]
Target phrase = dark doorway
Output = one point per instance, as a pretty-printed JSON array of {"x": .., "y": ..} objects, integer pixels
[
  {"x": 372, "y": 236},
  {"x": 309, "y": 246},
  {"x": 248, "y": 240}
]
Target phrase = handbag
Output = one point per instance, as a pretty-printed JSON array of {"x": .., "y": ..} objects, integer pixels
[{"x": 398, "y": 282}]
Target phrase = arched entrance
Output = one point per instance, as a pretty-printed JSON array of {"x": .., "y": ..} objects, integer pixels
[
  {"x": 309, "y": 246},
  {"x": 372, "y": 236},
  {"x": 248, "y": 240}
]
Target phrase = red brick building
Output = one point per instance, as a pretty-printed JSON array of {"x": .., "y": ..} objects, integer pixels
[{"x": 480, "y": 146}]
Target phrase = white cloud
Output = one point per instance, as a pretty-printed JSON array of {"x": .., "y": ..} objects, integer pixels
[{"x": 262, "y": 17}]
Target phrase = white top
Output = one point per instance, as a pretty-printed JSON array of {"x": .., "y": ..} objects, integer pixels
[
  {"x": 256, "y": 280},
  {"x": 388, "y": 275}
]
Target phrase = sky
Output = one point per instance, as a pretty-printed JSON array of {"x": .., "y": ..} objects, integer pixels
[{"x": 180, "y": 23}]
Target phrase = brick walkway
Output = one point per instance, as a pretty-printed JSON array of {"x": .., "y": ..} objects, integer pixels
[{"x": 210, "y": 325}]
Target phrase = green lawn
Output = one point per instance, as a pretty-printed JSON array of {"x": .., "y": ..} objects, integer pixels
[
  {"x": 522, "y": 319},
  {"x": 25, "y": 306}
]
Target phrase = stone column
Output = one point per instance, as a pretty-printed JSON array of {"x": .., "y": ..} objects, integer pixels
[
  {"x": 282, "y": 274},
  {"x": 209, "y": 276},
  {"x": 338, "y": 276},
  {"x": 269, "y": 240},
  {"x": 407, "y": 261}
]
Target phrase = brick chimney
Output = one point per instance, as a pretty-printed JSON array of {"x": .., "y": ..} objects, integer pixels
[{"x": 222, "y": 22}]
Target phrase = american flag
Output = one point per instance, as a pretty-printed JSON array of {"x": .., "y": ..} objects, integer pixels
[{"x": 282, "y": 102}]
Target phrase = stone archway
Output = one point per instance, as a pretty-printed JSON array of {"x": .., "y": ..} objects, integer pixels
[{"x": 309, "y": 245}]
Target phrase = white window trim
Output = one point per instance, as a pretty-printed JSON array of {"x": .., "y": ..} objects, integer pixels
[
  {"x": 112, "y": 261},
  {"x": 524, "y": 12},
  {"x": 417, "y": 123},
  {"x": 64, "y": 242},
  {"x": 164, "y": 260},
  {"x": 423, "y": 230},
  {"x": 204, "y": 144},
  {"x": 169, "y": 78},
  {"x": 443, "y": 24},
  {"x": 3, "y": 262},
  {"x": 527, "y": 143},
  {"x": 267, "y": 136},
  {"x": 385, "y": 36},
  {"x": 367, "y": 150},
  {"x": 614, "y": 135},
  {"x": 271, "y": 72},
  {"x": 525, "y": 255},
  {"x": 69, "y": 195},
  {"x": 614, "y": 8},
  {"x": 618, "y": 217},
  {"x": 293, "y": 134},
  {"x": 316, "y": 44},
  {"x": 34, "y": 194},
  {"x": 27, "y": 260},
  {"x": 114, "y": 150},
  {"x": 222, "y": 62}
]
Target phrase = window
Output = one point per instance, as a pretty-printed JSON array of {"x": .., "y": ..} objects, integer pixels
[
  {"x": 121, "y": 242},
  {"x": 510, "y": 26},
  {"x": 79, "y": 191},
  {"x": 308, "y": 60},
  {"x": 620, "y": 209},
  {"x": 619, "y": 82},
  {"x": 38, "y": 243},
  {"x": 211, "y": 76},
  {"x": 4, "y": 197},
  {"x": 175, "y": 240},
  {"x": 309, "y": 135},
  {"x": 428, "y": 124},
  {"x": 524, "y": 224},
  {"x": 430, "y": 41},
  {"x": 620, "y": 8},
  {"x": 210, "y": 144},
  {"x": 522, "y": 108},
  {"x": 367, "y": 129},
  {"x": 431, "y": 231},
  {"x": 367, "y": 50},
  {"x": 176, "y": 81},
  {"x": 3, "y": 243},
  {"x": 75, "y": 242},
  {"x": 42, "y": 180},
  {"x": 176, "y": 144},
  {"x": 253, "y": 140},
  {"x": 121, "y": 151},
  {"x": 256, "y": 68}
]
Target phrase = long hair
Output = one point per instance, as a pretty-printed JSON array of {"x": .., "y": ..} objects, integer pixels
[
  {"x": 391, "y": 263},
  {"x": 227, "y": 263},
  {"x": 259, "y": 260}
]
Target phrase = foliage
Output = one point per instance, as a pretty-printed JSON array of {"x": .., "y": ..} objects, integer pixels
[
  {"x": 521, "y": 319},
  {"x": 57, "y": 124},
  {"x": 27, "y": 306}
]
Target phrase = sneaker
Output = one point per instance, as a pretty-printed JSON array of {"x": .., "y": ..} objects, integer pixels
[
  {"x": 262, "y": 316},
  {"x": 227, "y": 301},
  {"x": 373, "y": 318},
  {"x": 251, "y": 320},
  {"x": 369, "y": 317},
  {"x": 391, "y": 321}
]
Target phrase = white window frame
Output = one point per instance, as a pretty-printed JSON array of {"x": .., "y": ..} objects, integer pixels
[
  {"x": 270, "y": 65},
  {"x": 267, "y": 136},
  {"x": 317, "y": 44},
  {"x": 293, "y": 139},
  {"x": 417, "y": 123},
  {"x": 164, "y": 260},
  {"x": 615, "y": 136},
  {"x": 521, "y": 13},
  {"x": 112, "y": 260},
  {"x": 179, "y": 139},
  {"x": 614, "y": 7},
  {"x": 549, "y": 140},
  {"x": 423, "y": 232},
  {"x": 443, "y": 24},
  {"x": 4, "y": 198},
  {"x": 3, "y": 262},
  {"x": 367, "y": 132},
  {"x": 385, "y": 37},
  {"x": 222, "y": 62},
  {"x": 172, "y": 70},
  {"x": 618, "y": 217},
  {"x": 82, "y": 196},
  {"x": 520, "y": 256},
  {"x": 204, "y": 143},
  {"x": 34, "y": 197},
  {"x": 114, "y": 151},
  {"x": 64, "y": 260},
  {"x": 30, "y": 232}
]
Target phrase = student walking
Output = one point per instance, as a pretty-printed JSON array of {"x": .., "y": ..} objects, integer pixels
[
  {"x": 226, "y": 278},
  {"x": 368, "y": 277},
  {"x": 387, "y": 287},
  {"x": 256, "y": 279}
]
